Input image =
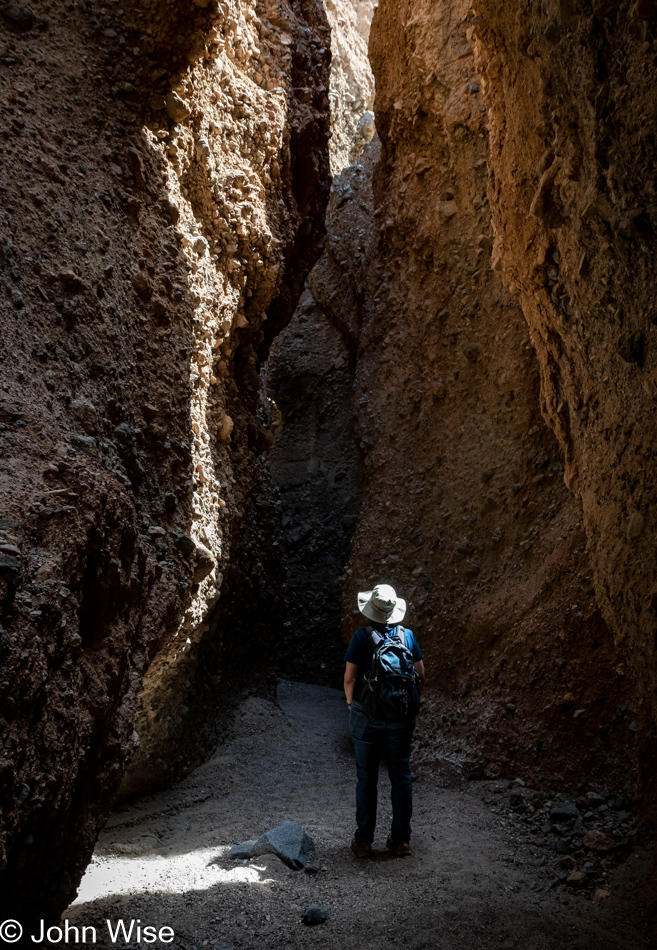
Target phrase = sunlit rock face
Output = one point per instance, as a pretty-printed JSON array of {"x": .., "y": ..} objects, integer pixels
[
  {"x": 352, "y": 82},
  {"x": 164, "y": 186}
]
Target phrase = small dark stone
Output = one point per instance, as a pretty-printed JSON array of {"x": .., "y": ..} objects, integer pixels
[
  {"x": 552, "y": 33},
  {"x": 10, "y": 567},
  {"x": 313, "y": 915},
  {"x": 561, "y": 845},
  {"x": 595, "y": 800},
  {"x": 521, "y": 809},
  {"x": 85, "y": 442},
  {"x": 170, "y": 501},
  {"x": 564, "y": 812},
  {"x": 184, "y": 544}
]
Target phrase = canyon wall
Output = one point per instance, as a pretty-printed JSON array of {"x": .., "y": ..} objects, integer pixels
[
  {"x": 463, "y": 505},
  {"x": 570, "y": 88},
  {"x": 164, "y": 178},
  {"x": 352, "y": 83},
  {"x": 314, "y": 459}
]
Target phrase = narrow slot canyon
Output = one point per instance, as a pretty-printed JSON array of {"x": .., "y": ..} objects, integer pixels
[{"x": 298, "y": 297}]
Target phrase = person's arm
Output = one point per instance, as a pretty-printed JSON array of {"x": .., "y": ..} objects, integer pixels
[
  {"x": 419, "y": 666},
  {"x": 350, "y": 677}
]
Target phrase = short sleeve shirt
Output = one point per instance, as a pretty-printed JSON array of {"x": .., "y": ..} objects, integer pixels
[{"x": 361, "y": 649}]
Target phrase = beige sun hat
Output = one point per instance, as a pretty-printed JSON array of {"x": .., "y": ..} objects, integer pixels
[{"x": 382, "y": 605}]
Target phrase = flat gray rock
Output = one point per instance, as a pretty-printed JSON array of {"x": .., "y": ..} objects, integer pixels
[
  {"x": 289, "y": 841},
  {"x": 243, "y": 850}
]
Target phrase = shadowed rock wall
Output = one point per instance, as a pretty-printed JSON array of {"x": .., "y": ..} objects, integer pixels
[
  {"x": 314, "y": 459},
  {"x": 164, "y": 178},
  {"x": 463, "y": 506},
  {"x": 570, "y": 88}
]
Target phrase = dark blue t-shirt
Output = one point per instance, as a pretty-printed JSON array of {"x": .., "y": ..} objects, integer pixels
[{"x": 361, "y": 649}]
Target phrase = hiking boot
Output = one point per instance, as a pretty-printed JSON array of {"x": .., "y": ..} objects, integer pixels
[
  {"x": 400, "y": 849},
  {"x": 361, "y": 849}
]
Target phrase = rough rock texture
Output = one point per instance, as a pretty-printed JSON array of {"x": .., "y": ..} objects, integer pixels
[
  {"x": 463, "y": 506},
  {"x": 314, "y": 465},
  {"x": 163, "y": 184},
  {"x": 571, "y": 93},
  {"x": 352, "y": 83},
  {"x": 314, "y": 460}
]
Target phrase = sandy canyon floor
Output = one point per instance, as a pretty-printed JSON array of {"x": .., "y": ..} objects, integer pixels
[{"x": 476, "y": 879}]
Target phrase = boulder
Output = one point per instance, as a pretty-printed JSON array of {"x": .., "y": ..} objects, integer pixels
[
  {"x": 289, "y": 842},
  {"x": 242, "y": 851}
]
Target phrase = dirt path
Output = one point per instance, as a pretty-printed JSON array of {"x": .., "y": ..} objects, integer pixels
[{"x": 472, "y": 882}]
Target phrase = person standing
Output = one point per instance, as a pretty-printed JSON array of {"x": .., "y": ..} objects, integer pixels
[{"x": 382, "y": 729}]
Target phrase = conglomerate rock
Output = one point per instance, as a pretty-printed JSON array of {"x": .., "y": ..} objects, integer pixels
[
  {"x": 314, "y": 459},
  {"x": 463, "y": 506},
  {"x": 570, "y": 89},
  {"x": 164, "y": 176},
  {"x": 352, "y": 83}
]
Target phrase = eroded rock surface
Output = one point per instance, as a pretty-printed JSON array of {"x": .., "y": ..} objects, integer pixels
[
  {"x": 314, "y": 458},
  {"x": 570, "y": 92},
  {"x": 463, "y": 506},
  {"x": 164, "y": 180},
  {"x": 352, "y": 82}
]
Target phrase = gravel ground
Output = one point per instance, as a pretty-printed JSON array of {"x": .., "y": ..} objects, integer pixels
[{"x": 476, "y": 879}]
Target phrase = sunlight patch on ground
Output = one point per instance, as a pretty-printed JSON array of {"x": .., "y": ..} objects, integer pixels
[{"x": 113, "y": 876}]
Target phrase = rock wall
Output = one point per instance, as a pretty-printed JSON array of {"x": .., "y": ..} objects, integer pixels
[
  {"x": 352, "y": 83},
  {"x": 571, "y": 94},
  {"x": 164, "y": 177},
  {"x": 314, "y": 459},
  {"x": 463, "y": 505}
]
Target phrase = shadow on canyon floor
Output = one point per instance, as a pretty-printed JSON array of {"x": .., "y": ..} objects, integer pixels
[{"x": 474, "y": 880}]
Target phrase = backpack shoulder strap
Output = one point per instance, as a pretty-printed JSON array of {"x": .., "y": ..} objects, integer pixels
[
  {"x": 375, "y": 637},
  {"x": 400, "y": 633}
]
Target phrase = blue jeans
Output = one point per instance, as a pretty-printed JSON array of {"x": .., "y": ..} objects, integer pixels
[{"x": 374, "y": 740}]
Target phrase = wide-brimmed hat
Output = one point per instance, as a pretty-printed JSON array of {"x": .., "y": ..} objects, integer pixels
[{"x": 382, "y": 605}]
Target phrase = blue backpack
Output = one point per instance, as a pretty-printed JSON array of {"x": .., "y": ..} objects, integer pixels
[{"x": 391, "y": 688}]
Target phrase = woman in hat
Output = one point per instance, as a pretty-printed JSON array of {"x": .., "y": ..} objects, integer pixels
[{"x": 387, "y": 736}]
